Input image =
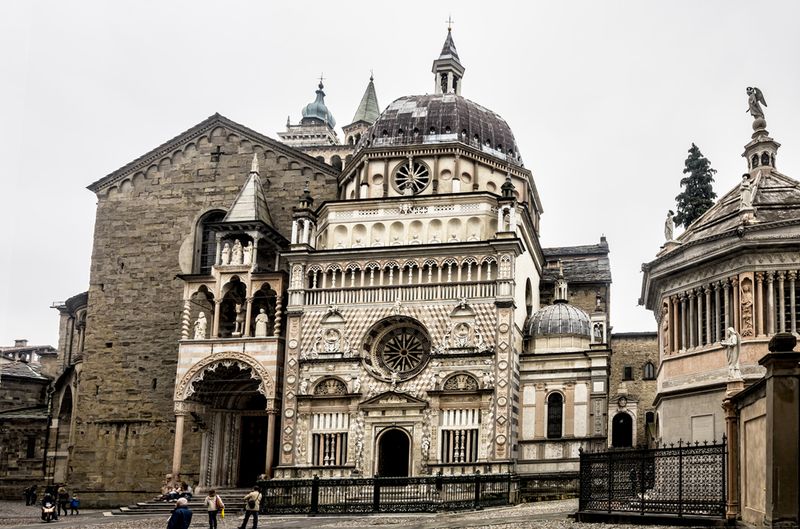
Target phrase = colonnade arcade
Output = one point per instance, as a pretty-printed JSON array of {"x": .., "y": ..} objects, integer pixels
[{"x": 755, "y": 304}]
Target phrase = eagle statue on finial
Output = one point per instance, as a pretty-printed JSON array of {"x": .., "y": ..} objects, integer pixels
[{"x": 755, "y": 98}]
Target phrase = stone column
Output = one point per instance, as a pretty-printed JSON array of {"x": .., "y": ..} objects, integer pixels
[
  {"x": 186, "y": 322},
  {"x": 276, "y": 328},
  {"x": 792, "y": 277},
  {"x": 178, "y": 447},
  {"x": 735, "y": 312},
  {"x": 691, "y": 322},
  {"x": 306, "y": 231},
  {"x": 294, "y": 231},
  {"x": 770, "y": 303},
  {"x": 700, "y": 341},
  {"x": 435, "y": 189},
  {"x": 732, "y": 463},
  {"x": 783, "y": 432},
  {"x": 248, "y": 313},
  {"x": 676, "y": 346},
  {"x": 538, "y": 423},
  {"x": 683, "y": 320},
  {"x": 759, "y": 311},
  {"x": 726, "y": 289},
  {"x": 717, "y": 330},
  {"x": 781, "y": 301},
  {"x": 709, "y": 337},
  {"x": 386, "y": 177},
  {"x": 271, "y": 433},
  {"x": 215, "y": 327}
]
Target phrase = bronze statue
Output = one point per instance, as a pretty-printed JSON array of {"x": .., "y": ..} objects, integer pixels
[{"x": 754, "y": 101}]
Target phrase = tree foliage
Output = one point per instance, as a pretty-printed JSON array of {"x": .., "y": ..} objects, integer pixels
[{"x": 698, "y": 194}]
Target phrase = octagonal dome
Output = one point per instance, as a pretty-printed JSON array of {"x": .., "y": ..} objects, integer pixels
[
  {"x": 442, "y": 118},
  {"x": 559, "y": 327}
]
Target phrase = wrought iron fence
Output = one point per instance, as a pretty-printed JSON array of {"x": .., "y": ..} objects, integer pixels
[
  {"x": 679, "y": 479},
  {"x": 383, "y": 494}
]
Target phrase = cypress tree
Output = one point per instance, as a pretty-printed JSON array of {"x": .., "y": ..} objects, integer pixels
[{"x": 698, "y": 194}]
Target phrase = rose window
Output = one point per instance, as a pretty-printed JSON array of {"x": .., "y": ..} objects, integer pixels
[
  {"x": 412, "y": 177},
  {"x": 397, "y": 349}
]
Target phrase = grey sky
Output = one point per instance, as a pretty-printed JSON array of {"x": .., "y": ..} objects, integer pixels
[{"x": 604, "y": 98}]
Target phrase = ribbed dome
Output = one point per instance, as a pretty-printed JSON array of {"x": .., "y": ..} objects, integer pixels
[
  {"x": 440, "y": 118},
  {"x": 318, "y": 110},
  {"x": 559, "y": 319}
]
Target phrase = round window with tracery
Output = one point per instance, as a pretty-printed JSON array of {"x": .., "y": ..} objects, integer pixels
[
  {"x": 412, "y": 178},
  {"x": 397, "y": 349}
]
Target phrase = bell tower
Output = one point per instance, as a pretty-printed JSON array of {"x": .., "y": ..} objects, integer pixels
[{"x": 447, "y": 69}]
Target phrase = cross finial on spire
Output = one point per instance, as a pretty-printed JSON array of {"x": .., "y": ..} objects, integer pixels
[
  {"x": 449, "y": 23},
  {"x": 320, "y": 80},
  {"x": 371, "y": 75}
]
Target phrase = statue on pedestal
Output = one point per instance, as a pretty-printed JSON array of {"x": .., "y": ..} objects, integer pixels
[
  {"x": 754, "y": 101},
  {"x": 226, "y": 254},
  {"x": 200, "y": 326},
  {"x": 236, "y": 253},
  {"x": 669, "y": 227},
  {"x": 239, "y": 322},
  {"x": 746, "y": 192},
  {"x": 262, "y": 320},
  {"x": 247, "y": 258},
  {"x": 733, "y": 342}
]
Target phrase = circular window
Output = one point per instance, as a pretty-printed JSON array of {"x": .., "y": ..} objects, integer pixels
[
  {"x": 397, "y": 349},
  {"x": 412, "y": 178}
]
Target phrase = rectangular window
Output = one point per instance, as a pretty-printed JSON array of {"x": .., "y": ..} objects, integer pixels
[
  {"x": 459, "y": 436},
  {"x": 628, "y": 373},
  {"x": 329, "y": 439},
  {"x": 30, "y": 449}
]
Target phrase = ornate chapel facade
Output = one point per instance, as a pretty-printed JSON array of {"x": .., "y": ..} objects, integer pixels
[{"x": 310, "y": 307}]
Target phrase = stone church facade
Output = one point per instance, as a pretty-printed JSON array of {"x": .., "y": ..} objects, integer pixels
[{"x": 310, "y": 307}]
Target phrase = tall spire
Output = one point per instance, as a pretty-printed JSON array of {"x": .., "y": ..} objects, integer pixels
[
  {"x": 368, "y": 109},
  {"x": 447, "y": 69}
]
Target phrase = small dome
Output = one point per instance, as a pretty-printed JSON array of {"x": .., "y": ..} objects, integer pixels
[
  {"x": 559, "y": 327},
  {"x": 440, "y": 118},
  {"x": 318, "y": 111}
]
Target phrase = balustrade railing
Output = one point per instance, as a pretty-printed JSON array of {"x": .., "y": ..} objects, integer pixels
[{"x": 393, "y": 293}]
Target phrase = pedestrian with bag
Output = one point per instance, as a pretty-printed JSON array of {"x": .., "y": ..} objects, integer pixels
[
  {"x": 252, "y": 503},
  {"x": 214, "y": 505}
]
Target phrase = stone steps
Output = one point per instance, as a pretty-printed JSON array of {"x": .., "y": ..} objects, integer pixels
[{"x": 231, "y": 497}]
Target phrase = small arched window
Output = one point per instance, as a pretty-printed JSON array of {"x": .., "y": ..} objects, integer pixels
[
  {"x": 205, "y": 247},
  {"x": 649, "y": 371},
  {"x": 555, "y": 413}
]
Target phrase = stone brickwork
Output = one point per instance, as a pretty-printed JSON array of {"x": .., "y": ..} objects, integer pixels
[
  {"x": 144, "y": 236},
  {"x": 633, "y": 350}
]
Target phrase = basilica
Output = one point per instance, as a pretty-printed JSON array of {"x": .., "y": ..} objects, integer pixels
[{"x": 378, "y": 304}]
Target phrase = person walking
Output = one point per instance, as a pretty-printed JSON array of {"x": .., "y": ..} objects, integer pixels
[
  {"x": 214, "y": 505},
  {"x": 74, "y": 505},
  {"x": 252, "y": 503},
  {"x": 63, "y": 500},
  {"x": 181, "y": 515}
]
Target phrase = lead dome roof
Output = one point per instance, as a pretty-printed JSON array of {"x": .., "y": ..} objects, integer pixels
[
  {"x": 560, "y": 318},
  {"x": 440, "y": 118}
]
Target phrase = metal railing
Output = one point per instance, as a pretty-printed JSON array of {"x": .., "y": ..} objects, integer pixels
[
  {"x": 386, "y": 494},
  {"x": 679, "y": 479}
]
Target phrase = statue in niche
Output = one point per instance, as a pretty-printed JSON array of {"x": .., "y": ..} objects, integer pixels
[
  {"x": 238, "y": 323},
  {"x": 669, "y": 226},
  {"x": 747, "y": 308},
  {"x": 755, "y": 98},
  {"x": 356, "y": 384},
  {"x": 236, "y": 253},
  {"x": 665, "y": 325},
  {"x": 262, "y": 320},
  {"x": 247, "y": 257},
  {"x": 746, "y": 192},
  {"x": 226, "y": 254},
  {"x": 598, "y": 332},
  {"x": 304, "y": 386},
  {"x": 733, "y": 342},
  {"x": 200, "y": 326}
]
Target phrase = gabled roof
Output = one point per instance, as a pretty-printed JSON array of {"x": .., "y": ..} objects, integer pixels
[
  {"x": 12, "y": 368},
  {"x": 167, "y": 148},
  {"x": 368, "y": 109},
  {"x": 581, "y": 264},
  {"x": 250, "y": 204}
]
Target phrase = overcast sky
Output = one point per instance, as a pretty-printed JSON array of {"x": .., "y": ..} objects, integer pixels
[{"x": 604, "y": 99}]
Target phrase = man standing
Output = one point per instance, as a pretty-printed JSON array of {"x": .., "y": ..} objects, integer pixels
[
  {"x": 181, "y": 516},
  {"x": 252, "y": 503}
]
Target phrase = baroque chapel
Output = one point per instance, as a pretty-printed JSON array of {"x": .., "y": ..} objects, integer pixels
[{"x": 378, "y": 306}]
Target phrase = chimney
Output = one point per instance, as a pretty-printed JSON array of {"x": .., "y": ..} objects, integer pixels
[{"x": 20, "y": 343}]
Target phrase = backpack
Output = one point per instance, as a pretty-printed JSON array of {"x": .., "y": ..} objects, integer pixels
[{"x": 251, "y": 504}]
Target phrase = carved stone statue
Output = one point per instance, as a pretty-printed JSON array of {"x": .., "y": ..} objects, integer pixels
[
  {"x": 226, "y": 254},
  {"x": 238, "y": 324},
  {"x": 236, "y": 253},
  {"x": 754, "y": 101},
  {"x": 665, "y": 326},
  {"x": 200, "y": 326},
  {"x": 304, "y": 386},
  {"x": 247, "y": 257},
  {"x": 262, "y": 320},
  {"x": 356, "y": 384},
  {"x": 733, "y": 342},
  {"x": 746, "y": 192},
  {"x": 669, "y": 227},
  {"x": 747, "y": 308}
]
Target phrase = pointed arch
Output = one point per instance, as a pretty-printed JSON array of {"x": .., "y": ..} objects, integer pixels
[{"x": 185, "y": 388}]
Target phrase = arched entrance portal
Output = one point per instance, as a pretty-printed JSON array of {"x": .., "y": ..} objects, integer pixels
[
  {"x": 622, "y": 431},
  {"x": 233, "y": 425},
  {"x": 393, "y": 453}
]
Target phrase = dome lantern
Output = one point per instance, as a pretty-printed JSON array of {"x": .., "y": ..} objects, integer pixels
[{"x": 447, "y": 69}]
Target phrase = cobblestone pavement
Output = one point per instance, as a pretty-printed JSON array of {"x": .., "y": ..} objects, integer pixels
[{"x": 543, "y": 515}]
